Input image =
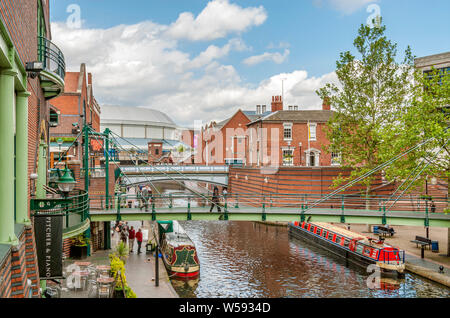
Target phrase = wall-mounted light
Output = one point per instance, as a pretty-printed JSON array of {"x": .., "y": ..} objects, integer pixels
[{"x": 34, "y": 68}]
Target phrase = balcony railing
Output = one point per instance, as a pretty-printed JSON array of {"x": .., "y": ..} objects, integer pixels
[
  {"x": 54, "y": 67},
  {"x": 75, "y": 208}
]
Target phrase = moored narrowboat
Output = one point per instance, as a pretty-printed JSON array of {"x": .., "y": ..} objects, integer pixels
[
  {"x": 178, "y": 252},
  {"x": 353, "y": 246}
]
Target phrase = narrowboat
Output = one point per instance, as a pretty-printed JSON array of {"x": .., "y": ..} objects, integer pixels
[
  {"x": 353, "y": 246},
  {"x": 178, "y": 251}
]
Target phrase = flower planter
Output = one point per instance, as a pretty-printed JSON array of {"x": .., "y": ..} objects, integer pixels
[
  {"x": 118, "y": 293},
  {"x": 78, "y": 252}
]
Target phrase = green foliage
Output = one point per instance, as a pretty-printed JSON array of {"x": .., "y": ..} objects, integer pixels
[
  {"x": 118, "y": 272},
  {"x": 80, "y": 240},
  {"x": 373, "y": 92},
  {"x": 428, "y": 116},
  {"x": 181, "y": 149},
  {"x": 121, "y": 252}
]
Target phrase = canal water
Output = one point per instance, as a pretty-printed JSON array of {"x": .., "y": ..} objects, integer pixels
[{"x": 246, "y": 259}]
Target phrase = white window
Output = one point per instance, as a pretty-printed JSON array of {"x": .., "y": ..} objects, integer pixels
[
  {"x": 287, "y": 131},
  {"x": 335, "y": 159},
  {"x": 312, "y": 128},
  {"x": 288, "y": 157}
]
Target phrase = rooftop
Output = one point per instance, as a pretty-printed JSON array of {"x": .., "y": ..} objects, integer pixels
[
  {"x": 134, "y": 116},
  {"x": 299, "y": 116}
]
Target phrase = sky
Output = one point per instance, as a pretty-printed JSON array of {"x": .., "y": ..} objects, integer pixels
[{"x": 204, "y": 60}]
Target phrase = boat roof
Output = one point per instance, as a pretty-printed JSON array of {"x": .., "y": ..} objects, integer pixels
[
  {"x": 179, "y": 236},
  {"x": 340, "y": 230},
  {"x": 350, "y": 234}
]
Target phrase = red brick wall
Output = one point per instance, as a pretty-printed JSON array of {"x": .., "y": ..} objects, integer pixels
[
  {"x": 5, "y": 277},
  {"x": 299, "y": 135},
  {"x": 20, "y": 18}
]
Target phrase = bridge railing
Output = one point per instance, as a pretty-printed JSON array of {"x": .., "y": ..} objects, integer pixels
[
  {"x": 287, "y": 201},
  {"x": 174, "y": 169}
]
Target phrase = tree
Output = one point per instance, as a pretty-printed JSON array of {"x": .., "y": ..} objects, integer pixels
[
  {"x": 426, "y": 118},
  {"x": 374, "y": 90}
]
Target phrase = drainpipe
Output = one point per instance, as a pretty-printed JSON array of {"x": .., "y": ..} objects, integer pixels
[
  {"x": 42, "y": 171},
  {"x": 7, "y": 235},
  {"x": 22, "y": 158}
]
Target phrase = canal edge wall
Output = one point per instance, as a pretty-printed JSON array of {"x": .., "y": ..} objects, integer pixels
[{"x": 429, "y": 274}]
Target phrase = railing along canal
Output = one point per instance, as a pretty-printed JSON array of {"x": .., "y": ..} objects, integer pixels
[{"x": 234, "y": 202}]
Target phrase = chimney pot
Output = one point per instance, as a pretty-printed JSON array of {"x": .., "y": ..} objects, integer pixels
[{"x": 326, "y": 104}]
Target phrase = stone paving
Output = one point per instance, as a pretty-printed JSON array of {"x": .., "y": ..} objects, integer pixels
[{"x": 140, "y": 272}]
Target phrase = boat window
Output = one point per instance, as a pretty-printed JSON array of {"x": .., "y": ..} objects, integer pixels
[
  {"x": 324, "y": 233},
  {"x": 338, "y": 239},
  {"x": 346, "y": 242}
]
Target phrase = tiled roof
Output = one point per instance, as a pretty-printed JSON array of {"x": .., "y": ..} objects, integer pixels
[{"x": 302, "y": 116}]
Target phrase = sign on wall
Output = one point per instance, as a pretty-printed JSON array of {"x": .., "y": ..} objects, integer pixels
[{"x": 48, "y": 231}]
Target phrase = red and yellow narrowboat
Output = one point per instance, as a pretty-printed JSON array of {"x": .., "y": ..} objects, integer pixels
[
  {"x": 353, "y": 246},
  {"x": 179, "y": 253}
]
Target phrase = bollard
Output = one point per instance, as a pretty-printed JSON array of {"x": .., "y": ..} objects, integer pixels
[
  {"x": 157, "y": 265},
  {"x": 189, "y": 217}
]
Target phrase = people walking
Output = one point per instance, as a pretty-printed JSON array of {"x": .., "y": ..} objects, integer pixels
[
  {"x": 124, "y": 234},
  {"x": 139, "y": 240},
  {"x": 145, "y": 197},
  {"x": 131, "y": 238},
  {"x": 215, "y": 201}
]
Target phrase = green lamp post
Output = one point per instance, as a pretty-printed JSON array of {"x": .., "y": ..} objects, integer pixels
[{"x": 66, "y": 182}]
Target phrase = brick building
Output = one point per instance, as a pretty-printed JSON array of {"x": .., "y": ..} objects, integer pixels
[
  {"x": 290, "y": 138},
  {"x": 32, "y": 71},
  {"x": 76, "y": 107},
  {"x": 274, "y": 137}
]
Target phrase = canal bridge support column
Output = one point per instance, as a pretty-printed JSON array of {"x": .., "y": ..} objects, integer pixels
[
  {"x": 22, "y": 158},
  {"x": 7, "y": 235}
]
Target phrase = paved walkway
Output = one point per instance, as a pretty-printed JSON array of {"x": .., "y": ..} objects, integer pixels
[{"x": 140, "y": 272}]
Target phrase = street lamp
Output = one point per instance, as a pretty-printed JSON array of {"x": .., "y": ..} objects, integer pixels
[{"x": 66, "y": 182}]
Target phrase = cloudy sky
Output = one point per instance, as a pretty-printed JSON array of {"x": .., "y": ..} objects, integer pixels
[{"x": 204, "y": 60}]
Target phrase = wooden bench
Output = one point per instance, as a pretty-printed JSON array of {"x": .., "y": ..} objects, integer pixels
[
  {"x": 385, "y": 231},
  {"x": 422, "y": 241}
]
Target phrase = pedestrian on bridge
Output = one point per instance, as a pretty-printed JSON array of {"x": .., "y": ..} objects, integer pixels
[
  {"x": 215, "y": 201},
  {"x": 145, "y": 196}
]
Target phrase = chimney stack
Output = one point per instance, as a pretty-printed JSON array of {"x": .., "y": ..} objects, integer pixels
[
  {"x": 277, "y": 103},
  {"x": 326, "y": 104}
]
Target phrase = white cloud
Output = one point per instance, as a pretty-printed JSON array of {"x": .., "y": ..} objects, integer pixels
[
  {"x": 217, "y": 20},
  {"x": 345, "y": 6},
  {"x": 274, "y": 57},
  {"x": 214, "y": 52},
  {"x": 140, "y": 65}
]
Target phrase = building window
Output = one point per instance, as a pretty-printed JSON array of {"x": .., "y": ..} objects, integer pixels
[
  {"x": 312, "y": 128},
  {"x": 335, "y": 159},
  {"x": 287, "y": 131},
  {"x": 313, "y": 158},
  {"x": 157, "y": 151},
  {"x": 288, "y": 157}
]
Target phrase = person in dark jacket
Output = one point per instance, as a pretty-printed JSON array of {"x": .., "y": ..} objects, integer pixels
[{"x": 215, "y": 200}]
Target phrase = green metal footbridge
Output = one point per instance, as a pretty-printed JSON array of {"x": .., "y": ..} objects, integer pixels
[{"x": 250, "y": 207}]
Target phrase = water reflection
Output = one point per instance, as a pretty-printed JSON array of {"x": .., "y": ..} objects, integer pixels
[{"x": 243, "y": 259}]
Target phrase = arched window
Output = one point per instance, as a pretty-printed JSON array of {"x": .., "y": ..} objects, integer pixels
[{"x": 312, "y": 157}]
